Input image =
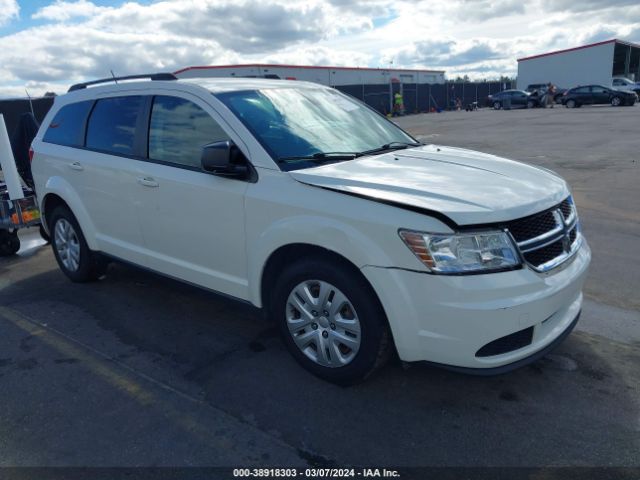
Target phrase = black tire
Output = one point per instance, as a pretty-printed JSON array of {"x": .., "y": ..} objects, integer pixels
[
  {"x": 375, "y": 339},
  {"x": 571, "y": 103},
  {"x": 497, "y": 105},
  {"x": 617, "y": 102},
  {"x": 531, "y": 104},
  {"x": 44, "y": 234},
  {"x": 91, "y": 265},
  {"x": 9, "y": 242}
]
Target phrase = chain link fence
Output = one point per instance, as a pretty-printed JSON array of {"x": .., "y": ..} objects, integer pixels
[{"x": 425, "y": 97}]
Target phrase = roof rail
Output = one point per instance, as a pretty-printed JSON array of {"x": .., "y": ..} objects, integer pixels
[{"x": 150, "y": 76}]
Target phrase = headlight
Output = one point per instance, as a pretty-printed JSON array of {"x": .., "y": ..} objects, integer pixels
[{"x": 463, "y": 252}]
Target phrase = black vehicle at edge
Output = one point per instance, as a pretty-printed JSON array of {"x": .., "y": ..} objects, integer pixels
[{"x": 597, "y": 95}]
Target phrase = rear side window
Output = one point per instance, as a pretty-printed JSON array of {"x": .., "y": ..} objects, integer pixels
[
  {"x": 112, "y": 125},
  {"x": 179, "y": 129},
  {"x": 67, "y": 126}
]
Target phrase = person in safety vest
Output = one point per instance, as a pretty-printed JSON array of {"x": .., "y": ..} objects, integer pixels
[{"x": 398, "y": 104}]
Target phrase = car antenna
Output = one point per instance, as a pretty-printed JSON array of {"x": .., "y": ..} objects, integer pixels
[
  {"x": 30, "y": 102},
  {"x": 114, "y": 76}
]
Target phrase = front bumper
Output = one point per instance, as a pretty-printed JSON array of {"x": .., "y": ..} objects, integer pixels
[{"x": 448, "y": 319}]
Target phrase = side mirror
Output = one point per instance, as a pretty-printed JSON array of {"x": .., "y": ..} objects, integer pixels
[{"x": 220, "y": 158}]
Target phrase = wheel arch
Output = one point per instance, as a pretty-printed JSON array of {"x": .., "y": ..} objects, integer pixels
[
  {"x": 292, "y": 252},
  {"x": 60, "y": 193}
]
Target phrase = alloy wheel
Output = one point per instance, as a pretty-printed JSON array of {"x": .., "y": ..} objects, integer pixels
[{"x": 67, "y": 245}]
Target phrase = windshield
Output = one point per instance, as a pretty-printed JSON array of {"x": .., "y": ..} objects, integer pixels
[{"x": 303, "y": 127}]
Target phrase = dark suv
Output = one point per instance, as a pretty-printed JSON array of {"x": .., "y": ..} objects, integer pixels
[{"x": 597, "y": 95}]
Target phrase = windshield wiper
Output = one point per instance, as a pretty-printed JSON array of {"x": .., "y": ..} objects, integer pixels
[
  {"x": 321, "y": 157},
  {"x": 390, "y": 146}
]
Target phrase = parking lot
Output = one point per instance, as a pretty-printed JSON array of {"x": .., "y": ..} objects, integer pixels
[{"x": 138, "y": 370}]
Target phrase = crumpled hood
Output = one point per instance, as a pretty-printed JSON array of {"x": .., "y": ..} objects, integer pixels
[{"x": 468, "y": 187}]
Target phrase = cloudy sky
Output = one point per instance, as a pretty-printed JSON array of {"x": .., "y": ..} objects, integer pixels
[{"x": 48, "y": 44}]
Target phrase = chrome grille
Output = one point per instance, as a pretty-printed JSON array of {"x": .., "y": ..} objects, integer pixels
[
  {"x": 548, "y": 238},
  {"x": 533, "y": 226}
]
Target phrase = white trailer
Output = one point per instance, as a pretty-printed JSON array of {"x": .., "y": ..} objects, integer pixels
[
  {"x": 596, "y": 63},
  {"x": 325, "y": 75}
]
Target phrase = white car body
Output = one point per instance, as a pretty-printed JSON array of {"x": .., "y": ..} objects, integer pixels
[{"x": 354, "y": 209}]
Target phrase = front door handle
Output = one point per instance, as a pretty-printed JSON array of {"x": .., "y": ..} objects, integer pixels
[
  {"x": 148, "y": 182},
  {"x": 76, "y": 166}
]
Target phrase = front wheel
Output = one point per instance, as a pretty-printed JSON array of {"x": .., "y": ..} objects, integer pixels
[
  {"x": 571, "y": 103},
  {"x": 531, "y": 104},
  {"x": 331, "y": 321},
  {"x": 72, "y": 253},
  {"x": 497, "y": 105},
  {"x": 44, "y": 234},
  {"x": 616, "y": 101}
]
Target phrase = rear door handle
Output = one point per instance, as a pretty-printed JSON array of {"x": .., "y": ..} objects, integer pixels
[
  {"x": 148, "y": 182},
  {"x": 76, "y": 166}
]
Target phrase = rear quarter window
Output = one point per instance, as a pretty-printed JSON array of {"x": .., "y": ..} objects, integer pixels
[
  {"x": 112, "y": 125},
  {"x": 67, "y": 126}
]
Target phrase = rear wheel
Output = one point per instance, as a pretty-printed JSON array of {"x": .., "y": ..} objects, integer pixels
[
  {"x": 497, "y": 105},
  {"x": 70, "y": 248},
  {"x": 616, "y": 101},
  {"x": 331, "y": 321},
  {"x": 9, "y": 242}
]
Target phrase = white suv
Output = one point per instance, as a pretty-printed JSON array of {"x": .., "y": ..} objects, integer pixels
[{"x": 354, "y": 237}]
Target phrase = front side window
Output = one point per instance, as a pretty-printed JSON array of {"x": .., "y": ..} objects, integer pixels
[
  {"x": 179, "y": 129},
  {"x": 112, "y": 125},
  {"x": 292, "y": 123},
  {"x": 67, "y": 127}
]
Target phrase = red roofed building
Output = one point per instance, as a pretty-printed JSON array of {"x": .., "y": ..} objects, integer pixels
[{"x": 326, "y": 75}]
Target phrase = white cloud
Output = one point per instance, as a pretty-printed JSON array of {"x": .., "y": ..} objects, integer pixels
[
  {"x": 77, "y": 39},
  {"x": 318, "y": 55},
  {"x": 62, "y": 10},
  {"x": 9, "y": 9}
]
